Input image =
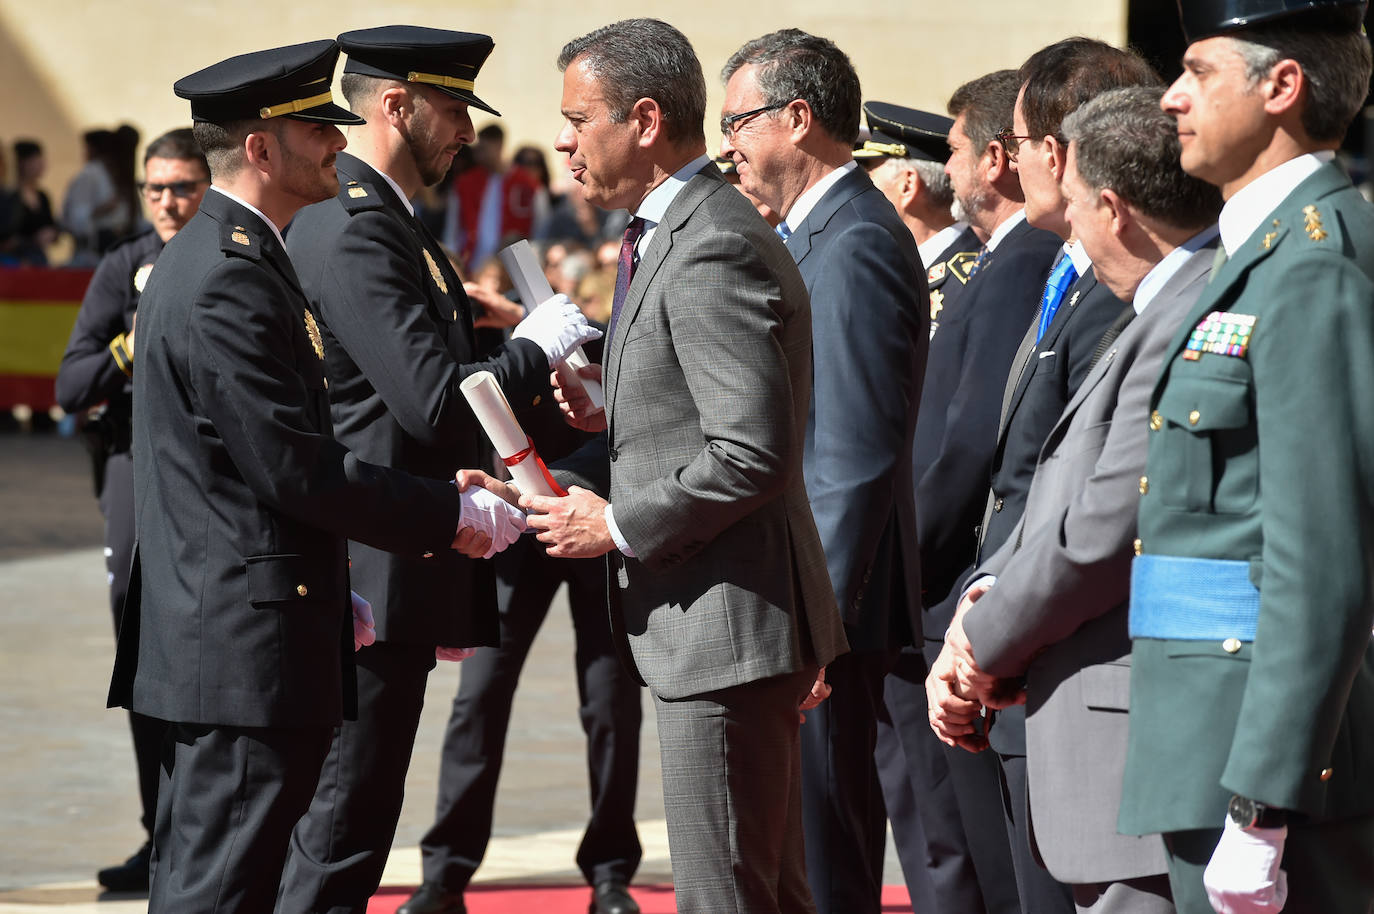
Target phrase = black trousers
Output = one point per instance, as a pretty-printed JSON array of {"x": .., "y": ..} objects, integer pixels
[
  {"x": 117, "y": 506},
  {"x": 843, "y": 817},
  {"x": 937, "y": 843},
  {"x": 339, "y": 848},
  {"x": 1040, "y": 892},
  {"x": 227, "y": 801},
  {"x": 474, "y": 744}
]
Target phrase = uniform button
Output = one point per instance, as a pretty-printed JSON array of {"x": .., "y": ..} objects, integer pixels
[
  {"x": 455, "y": 313},
  {"x": 1326, "y": 773},
  {"x": 1139, "y": 546},
  {"x": 1231, "y": 645},
  {"x": 1156, "y": 421},
  {"x": 1144, "y": 485},
  {"x": 326, "y": 383},
  {"x": 537, "y": 400},
  {"x": 302, "y": 589},
  {"x": 428, "y": 555},
  {"x": 1193, "y": 417},
  {"x": 997, "y": 505}
]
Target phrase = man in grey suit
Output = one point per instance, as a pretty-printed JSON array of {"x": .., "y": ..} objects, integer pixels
[
  {"x": 790, "y": 119},
  {"x": 719, "y": 595},
  {"x": 1044, "y": 618}
]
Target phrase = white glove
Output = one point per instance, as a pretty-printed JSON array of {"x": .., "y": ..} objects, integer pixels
[
  {"x": 1243, "y": 876},
  {"x": 558, "y": 327},
  {"x": 492, "y": 515},
  {"x": 454, "y": 654},
  {"x": 364, "y": 626}
]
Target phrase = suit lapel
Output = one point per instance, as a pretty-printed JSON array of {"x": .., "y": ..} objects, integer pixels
[
  {"x": 1075, "y": 294},
  {"x": 845, "y": 189},
  {"x": 702, "y": 185}
]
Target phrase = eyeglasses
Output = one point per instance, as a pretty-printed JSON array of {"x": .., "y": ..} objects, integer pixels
[
  {"x": 182, "y": 190},
  {"x": 1010, "y": 141},
  {"x": 727, "y": 124}
]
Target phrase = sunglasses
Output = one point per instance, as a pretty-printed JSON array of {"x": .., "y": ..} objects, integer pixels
[{"x": 182, "y": 190}]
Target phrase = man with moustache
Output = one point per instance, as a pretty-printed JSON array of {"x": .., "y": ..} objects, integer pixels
[
  {"x": 238, "y": 629},
  {"x": 398, "y": 337},
  {"x": 98, "y": 368},
  {"x": 790, "y": 119},
  {"x": 1251, "y": 697},
  {"x": 957, "y": 431},
  {"x": 719, "y": 593},
  {"x": 1051, "y": 361},
  {"x": 1050, "y": 608}
]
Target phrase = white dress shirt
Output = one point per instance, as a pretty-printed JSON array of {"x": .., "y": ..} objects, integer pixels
[
  {"x": 936, "y": 244},
  {"x": 808, "y": 200},
  {"x": 1253, "y": 203}
]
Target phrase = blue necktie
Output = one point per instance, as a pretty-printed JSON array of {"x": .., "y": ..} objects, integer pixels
[
  {"x": 1061, "y": 277},
  {"x": 980, "y": 261},
  {"x": 783, "y": 231}
]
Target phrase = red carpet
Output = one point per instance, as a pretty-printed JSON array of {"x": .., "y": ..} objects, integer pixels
[{"x": 573, "y": 899}]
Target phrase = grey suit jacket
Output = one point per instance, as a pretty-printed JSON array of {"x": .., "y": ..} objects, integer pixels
[
  {"x": 707, "y": 383},
  {"x": 1058, "y": 612}
]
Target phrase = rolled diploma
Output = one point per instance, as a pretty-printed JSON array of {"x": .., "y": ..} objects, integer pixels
[
  {"x": 534, "y": 289},
  {"x": 489, "y": 404}
]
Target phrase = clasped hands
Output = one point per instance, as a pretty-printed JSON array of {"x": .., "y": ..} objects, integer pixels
[{"x": 958, "y": 690}]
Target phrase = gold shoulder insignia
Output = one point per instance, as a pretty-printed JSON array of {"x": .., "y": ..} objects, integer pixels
[
  {"x": 434, "y": 271},
  {"x": 356, "y": 192},
  {"x": 141, "y": 276},
  {"x": 1268, "y": 239},
  {"x": 1315, "y": 231},
  {"x": 312, "y": 330},
  {"x": 240, "y": 236}
]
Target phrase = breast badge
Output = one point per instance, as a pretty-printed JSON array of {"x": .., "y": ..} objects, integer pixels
[
  {"x": 312, "y": 330},
  {"x": 1221, "y": 333},
  {"x": 434, "y": 271},
  {"x": 141, "y": 276}
]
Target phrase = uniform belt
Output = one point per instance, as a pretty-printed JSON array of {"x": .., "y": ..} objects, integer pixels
[{"x": 1191, "y": 599}]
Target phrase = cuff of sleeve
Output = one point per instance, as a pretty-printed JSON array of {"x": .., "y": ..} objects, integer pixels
[
  {"x": 123, "y": 354},
  {"x": 616, "y": 535}
]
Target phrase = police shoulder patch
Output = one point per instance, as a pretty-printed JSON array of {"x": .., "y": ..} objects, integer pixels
[{"x": 358, "y": 197}]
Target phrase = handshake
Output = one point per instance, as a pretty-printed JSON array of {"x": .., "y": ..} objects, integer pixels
[{"x": 491, "y": 518}]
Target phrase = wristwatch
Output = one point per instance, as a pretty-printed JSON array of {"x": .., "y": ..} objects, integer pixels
[{"x": 1248, "y": 813}]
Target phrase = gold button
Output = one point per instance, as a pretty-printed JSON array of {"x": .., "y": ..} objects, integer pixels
[
  {"x": 1231, "y": 645},
  {"x": 302, "y": 589},
  {"x": 1144, "y": 485},
  {"x": 1139, "y": 546},
  {"x": 537, "y": 400},
  {"x": 326, "y": 383},
  {"x": 997, "y": 505},
  {"x": 1326, "y": 773},
  {"x": 1156, "y": 421},
  {"x": 455, "y": 313},
  {"x": 1193, "y": 417}
]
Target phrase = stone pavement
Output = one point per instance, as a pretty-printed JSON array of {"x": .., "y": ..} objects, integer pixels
[{"x": 68, "y": 798}]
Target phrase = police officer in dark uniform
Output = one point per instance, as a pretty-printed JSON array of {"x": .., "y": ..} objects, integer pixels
[
  {"x": 905, "y": 156},
  {"x": 96, "y": 375},
  {"x": 237, "y": 629},
  {"x": 398, "y": 335}
]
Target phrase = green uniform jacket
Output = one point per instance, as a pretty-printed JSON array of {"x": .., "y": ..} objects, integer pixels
[{"x": 1268, "y": 457}]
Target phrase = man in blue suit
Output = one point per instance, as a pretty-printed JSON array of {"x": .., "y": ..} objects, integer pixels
[{"x": 790, "y": 119}]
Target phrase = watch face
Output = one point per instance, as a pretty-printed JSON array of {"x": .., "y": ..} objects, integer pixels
[{"x": 1242, "y": 811}]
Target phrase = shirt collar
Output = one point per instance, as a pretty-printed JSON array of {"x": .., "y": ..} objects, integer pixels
[
  {"x": 1249, "y": 206},
  {"x": 1164, "y": 271},
  {"x": 255, "y": 211},
  {"x": 813, "y": 194},
  {"x": 936, "y": 244},
  {"x": 394, "y": 186},
  {"x": 1082, "y": 263},
  {"x": 1005, "y": 228},
  {"x": 655, "y": 205}
]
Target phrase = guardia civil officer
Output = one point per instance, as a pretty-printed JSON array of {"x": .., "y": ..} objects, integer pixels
[
  {"x": 237, "y": 629},
  {"x": 398, "y": 335},
  {"x": 97, "y": 375},
  {"x": 1252, "y": 592}
]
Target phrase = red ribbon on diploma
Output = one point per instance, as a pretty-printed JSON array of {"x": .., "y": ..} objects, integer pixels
[{"x": 519, "y": 457}]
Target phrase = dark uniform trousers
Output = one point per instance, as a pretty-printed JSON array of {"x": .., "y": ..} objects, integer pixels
[{"x": 474, "y": 744}]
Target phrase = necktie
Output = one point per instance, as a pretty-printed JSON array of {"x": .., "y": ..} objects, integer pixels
[
  {"x": 624, "y": 272},
  {"x": 980, "y": 261},
  {"x": 1218, "y": 261},
  {"x": 1061, "y": 277},
  {"x": 1125, "y": 317},
  {"x": 783, "y": 231}
]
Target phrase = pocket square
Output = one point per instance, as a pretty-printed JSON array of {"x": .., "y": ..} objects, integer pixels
[{"x": 1046, "y": 354}]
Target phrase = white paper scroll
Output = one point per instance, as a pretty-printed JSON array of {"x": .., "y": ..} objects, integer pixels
[
  {"x": 515, "y": 449},
  {"x": 534, "y": 289}
]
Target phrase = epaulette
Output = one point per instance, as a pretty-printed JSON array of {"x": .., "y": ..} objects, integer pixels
[
  {"x": 357, "y": 197},
  {"x": 961, "y": 265},
  {"x": 234, "y": 239}
]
